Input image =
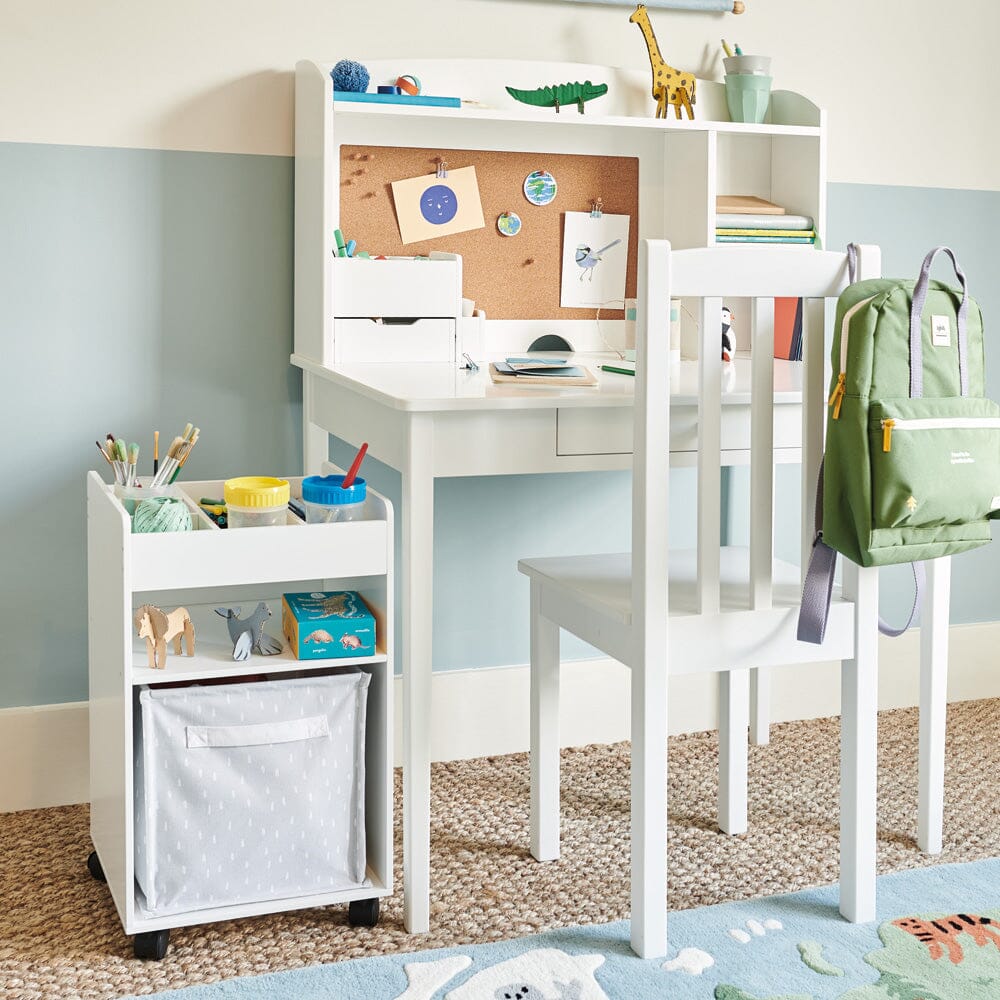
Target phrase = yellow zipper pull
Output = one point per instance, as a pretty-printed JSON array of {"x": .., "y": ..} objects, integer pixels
[
  {"x": 887, "y": 426},
  {"x": 837, "y": 396}
]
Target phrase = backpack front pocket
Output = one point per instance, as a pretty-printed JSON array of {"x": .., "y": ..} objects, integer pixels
[{"x": 934, "y": 461}]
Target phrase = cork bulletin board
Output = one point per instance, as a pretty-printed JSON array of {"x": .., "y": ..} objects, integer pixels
[{"x": 511, "y": 277}]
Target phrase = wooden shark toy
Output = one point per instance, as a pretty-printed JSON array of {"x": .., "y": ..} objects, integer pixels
[{"x": 248, "y": 633}]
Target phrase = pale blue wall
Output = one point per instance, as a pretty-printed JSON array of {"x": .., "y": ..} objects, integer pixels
[
  {"x": 142, "y": 289},
  {"x": 138, "y": 289}
]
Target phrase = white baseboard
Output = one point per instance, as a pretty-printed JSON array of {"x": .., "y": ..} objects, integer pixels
[{"x": 44, "y": 757}]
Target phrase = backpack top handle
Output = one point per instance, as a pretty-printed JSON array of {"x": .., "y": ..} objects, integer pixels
[{"x": 917, "y": 308}]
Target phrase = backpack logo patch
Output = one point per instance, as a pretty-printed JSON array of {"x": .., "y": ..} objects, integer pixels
[
  {"x": 940, "y": 331},
  {"x": 962, "y": 458}
]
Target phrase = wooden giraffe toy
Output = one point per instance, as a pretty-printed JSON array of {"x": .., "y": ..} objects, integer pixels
[{"x": 670, "y": 86}]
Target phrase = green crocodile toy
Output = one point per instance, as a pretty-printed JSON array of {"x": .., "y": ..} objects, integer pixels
[{"x": 562, "y": 93}]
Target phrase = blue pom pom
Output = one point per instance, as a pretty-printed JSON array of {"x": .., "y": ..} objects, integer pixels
[{"x": 350, "y": 75}]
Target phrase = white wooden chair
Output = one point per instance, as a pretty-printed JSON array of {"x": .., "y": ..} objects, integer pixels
[{"x": 725, "y": 610}]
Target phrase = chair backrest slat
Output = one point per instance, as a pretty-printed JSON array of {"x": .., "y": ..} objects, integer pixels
[
  {"x": 761, "y": 452},
  {"x": 709, "y": 452}
]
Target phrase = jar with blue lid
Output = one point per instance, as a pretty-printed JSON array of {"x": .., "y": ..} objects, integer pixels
[{"x": 327, "y": 501}]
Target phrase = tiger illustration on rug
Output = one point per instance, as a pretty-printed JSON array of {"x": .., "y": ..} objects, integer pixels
[{"x": 942, "y": 934}]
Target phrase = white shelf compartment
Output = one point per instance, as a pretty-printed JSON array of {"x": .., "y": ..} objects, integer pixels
[
  {"x": 201, "y": 570},
  {"x": 210, "y": 557}
]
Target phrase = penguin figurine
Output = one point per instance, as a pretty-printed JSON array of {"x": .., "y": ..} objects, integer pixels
[{"x": 727, "y": 334}]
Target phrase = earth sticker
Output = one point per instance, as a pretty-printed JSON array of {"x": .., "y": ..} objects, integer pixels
[
  {"x": 540, "y": 187},
  {"x": 509, "y": 224}
]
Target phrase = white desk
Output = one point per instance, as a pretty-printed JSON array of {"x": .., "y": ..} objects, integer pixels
[{"x": 438, "y": 421}]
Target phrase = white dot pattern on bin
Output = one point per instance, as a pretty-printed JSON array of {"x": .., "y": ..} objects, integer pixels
[{"x": 288, "y": 815}]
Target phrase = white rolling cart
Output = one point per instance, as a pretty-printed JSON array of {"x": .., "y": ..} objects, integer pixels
[{"x": 201, "y": 570}]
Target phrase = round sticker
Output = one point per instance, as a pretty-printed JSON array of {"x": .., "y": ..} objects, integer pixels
[
  {"x": 539, "y": 187},
  {"x": 509, "y": 224},
  {"x": 438, "y": 204}
]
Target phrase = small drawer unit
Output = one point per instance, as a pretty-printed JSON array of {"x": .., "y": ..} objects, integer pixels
[
  {"x": 403, "y": 342},
  {"x": 249, "y": 792},
  {"x": 398, "y": 288},
  {"x": 397, "y": 311}
]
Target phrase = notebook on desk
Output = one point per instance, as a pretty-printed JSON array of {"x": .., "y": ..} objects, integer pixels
[{"x": 534, "y": 371}]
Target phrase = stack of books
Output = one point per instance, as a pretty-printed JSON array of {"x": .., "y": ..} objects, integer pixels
[{"x": 746, "y": 219}]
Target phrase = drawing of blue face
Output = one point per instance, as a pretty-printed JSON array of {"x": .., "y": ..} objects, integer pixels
[{"x": 438, "y": 204}]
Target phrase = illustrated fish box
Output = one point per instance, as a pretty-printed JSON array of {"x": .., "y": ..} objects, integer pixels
[{"x": 323, "y": 625}]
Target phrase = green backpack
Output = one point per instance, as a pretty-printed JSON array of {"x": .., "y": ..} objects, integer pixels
[{"x": 912, "y": 463}]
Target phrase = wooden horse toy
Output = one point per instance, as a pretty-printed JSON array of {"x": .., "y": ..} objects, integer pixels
[
  {"x": 670, "y": 86},
  {"x": 158, "y": 627}
]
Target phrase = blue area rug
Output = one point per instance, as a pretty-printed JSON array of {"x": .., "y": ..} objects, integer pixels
[{"x": 937, "y": 938}]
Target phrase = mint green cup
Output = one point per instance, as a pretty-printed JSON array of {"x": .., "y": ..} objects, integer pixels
[{"x": 748, "y": 95}]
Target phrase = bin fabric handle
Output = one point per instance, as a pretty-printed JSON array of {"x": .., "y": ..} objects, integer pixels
[{"x": 258, "y": 734}]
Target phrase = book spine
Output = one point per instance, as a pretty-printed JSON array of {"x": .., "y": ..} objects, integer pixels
[
  {"x": 728, "y": 220},
  {"x": 801, "y": 233},
  {"x": 763, "y": 239}
]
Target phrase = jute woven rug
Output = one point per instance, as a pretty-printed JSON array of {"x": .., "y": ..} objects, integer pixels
[{"x": 60, "y": 936}]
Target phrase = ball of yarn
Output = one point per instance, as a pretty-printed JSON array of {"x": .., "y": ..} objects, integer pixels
[
  {"x": 161, "y": 514},
  {"x": 350, "y": 75}
]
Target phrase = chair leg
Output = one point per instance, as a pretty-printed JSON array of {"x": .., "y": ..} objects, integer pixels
[
  {"x": 649, "y": 806},
  {"x": 859, "y": 750},
  {"x": 760, "y": 706},
  {"x": 734, "y": 718},
  {"x": 544, "y": 732},
  {"x": 933, "y": 703}
]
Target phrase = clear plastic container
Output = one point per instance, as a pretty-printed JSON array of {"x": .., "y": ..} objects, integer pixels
[
  {"x": 256, "y": 501},
  {"x": 130, "y": 496},
  {"x": 326, "y": 501}
]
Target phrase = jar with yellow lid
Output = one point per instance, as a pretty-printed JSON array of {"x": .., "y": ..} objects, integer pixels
[{"x": 256, "y": 501}]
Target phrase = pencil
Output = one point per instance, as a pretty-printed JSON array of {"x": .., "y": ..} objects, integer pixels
[
  {"x": 156, "y": 452},
  {"x": 727, "y": 49}
]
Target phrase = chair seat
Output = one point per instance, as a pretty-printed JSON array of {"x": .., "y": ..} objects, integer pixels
[{"x": 601, "y": 586}]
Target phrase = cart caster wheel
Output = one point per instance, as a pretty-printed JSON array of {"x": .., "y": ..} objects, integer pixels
[
  {"x": 94, "y": 867},
  {"x": 152, "y": 944},
  {"x": 363, "y": 912}
]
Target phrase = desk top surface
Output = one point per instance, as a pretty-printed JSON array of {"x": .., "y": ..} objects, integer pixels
[{"x": 441, "y": 388}]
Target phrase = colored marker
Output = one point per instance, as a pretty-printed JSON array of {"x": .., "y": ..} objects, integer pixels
[
  {"x": 338, "y": 237},
  {"x": 727, "y": 49},
  {"x": 739, "y": 51},
  {"x": 351, "y": 247}
]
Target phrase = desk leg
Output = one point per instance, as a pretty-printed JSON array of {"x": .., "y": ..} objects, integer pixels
[
  {"x": 315, "y": 439},
  {"x": 417, "y": 582},
  {"x": 933, "y": 703},
  {"x": 760, "y": 706}
]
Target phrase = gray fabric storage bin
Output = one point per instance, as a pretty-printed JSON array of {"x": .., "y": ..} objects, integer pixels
[{"x": 249, "y": 792}]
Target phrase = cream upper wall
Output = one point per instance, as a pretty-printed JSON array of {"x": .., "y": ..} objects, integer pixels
[{"x": 907, "y": 85}]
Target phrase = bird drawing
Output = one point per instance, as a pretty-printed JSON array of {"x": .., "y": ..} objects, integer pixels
[
  {"x": 248, "y": 633},
  {"x": 587, "y": 259}
]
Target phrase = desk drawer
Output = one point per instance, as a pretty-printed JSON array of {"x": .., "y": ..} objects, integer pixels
[
  {"x": 420, "y": 341},
  {"x": 608, "y": 431},
  {"x": 406, "y": 288}
]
